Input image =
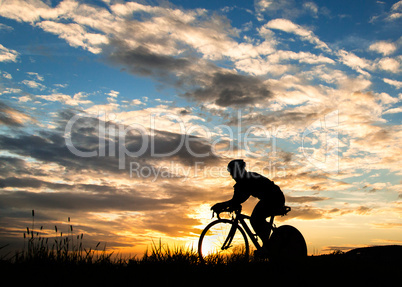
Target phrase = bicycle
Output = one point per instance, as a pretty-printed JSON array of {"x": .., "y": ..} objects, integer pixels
[{"x": 227, "y": 238}]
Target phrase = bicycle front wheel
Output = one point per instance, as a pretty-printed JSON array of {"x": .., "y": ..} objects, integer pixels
[{"x": 216, "y": 241}]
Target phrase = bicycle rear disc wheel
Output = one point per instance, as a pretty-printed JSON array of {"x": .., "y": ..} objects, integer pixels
[
  {"x": 213, "y": 238},
  {"x": 287, "y": 244}
]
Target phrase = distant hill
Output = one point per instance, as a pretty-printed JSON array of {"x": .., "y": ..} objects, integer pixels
[
  {"x": 387, "y": 252},
  {"x": 366, "y": 266}
]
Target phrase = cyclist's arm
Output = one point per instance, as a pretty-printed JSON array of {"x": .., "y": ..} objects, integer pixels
[
  {"x": 239, "y": 196},
  {"x": 236, "y": 200}
]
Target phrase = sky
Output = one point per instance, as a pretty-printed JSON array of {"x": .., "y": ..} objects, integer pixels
[{"x": 122, "y": 116}]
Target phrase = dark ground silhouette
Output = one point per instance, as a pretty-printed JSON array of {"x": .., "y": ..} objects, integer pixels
[{"x": 372, "y": 266}]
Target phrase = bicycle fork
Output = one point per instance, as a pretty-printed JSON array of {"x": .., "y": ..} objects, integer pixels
[{"x": 229, "y": 238}]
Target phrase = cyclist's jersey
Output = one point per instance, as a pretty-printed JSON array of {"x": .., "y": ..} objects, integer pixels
[{"x": 258, "y": 186}]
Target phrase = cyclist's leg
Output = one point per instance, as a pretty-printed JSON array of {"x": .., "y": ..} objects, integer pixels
[{"x": 262, "y": 210}]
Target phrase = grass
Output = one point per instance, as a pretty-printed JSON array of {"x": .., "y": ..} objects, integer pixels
[
  {"x": 67, "y": 249},
  {"x": 170, "y": 266},
  {"x": 63, "y": 261}
]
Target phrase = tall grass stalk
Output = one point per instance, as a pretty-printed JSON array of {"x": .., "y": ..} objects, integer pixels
[{"x": 58, "y": 249}]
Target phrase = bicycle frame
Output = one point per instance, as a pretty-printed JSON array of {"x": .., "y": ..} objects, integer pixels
[
  {"x": 240, "y": 219},
  {"x": 250, "y": 234},
  {"x": 293, "y": 247}
]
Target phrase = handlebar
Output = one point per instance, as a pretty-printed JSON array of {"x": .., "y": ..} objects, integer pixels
[{"x": 229, "y": 209}]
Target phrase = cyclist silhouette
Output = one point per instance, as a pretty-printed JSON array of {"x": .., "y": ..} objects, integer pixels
[{"x": 251, "y": 183}]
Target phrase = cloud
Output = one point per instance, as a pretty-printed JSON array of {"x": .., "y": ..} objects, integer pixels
[
  {"x": 12, "y": 117},
  {"x": 144, "y": 62},
  {"x": 8, "y": 55},
  {"x": 56, "y": 181},
  {"x": 43, "y": 174},
  {"x": 279, "y": 62},
  {"x": 31, "y": 182},
  {"x": 113, "y": 94},
  {"x": 203, "y": 81},
  {"x": 36, "y": 76},
  {"x": 395, "y": 83},
  {"x": 6, "y": 75},
  {"x": 13, "y": 166},
  {"x": 389, "y": 225},
  {"x": 76, "y": 100},
  {"x": 4, "y": 27},
  {"x": 394, "y": 16},
  {"x": 302, "y": 57},
  {"x": 86, "y": 136},
  {"x": 387, "y": 99},
  {"x": 304, "y": 199},
  {"x": 389, "y": 64},
  {"x": 41, "y": 15},
  {"x": 230, "y": 89},
  {"x": 312, "y": 7},
  {"x": 396, "y": 11},
  {"x": 178, "y": 48},
  {"x": 75, "y": 35},
  {"x": 391, "y": 15},
  {"x": 361, "y": 210},
  {"x": 306, "y": 213},
  {"x": 27, "y": 11},
  {"x": 284, "y": 8},
  {"x": 355, "y": 62},
  {"x": 397, "y": 6},
  {"x": 393, "y": 111},
  {"x": 82, "y": 201},
  {"x": 383, "y": 47},
  {"x": 290, "y": 27},
  {"x": 137, "y": 102},
  {"x": 336, "y": 248},
  {"x": 33, "y": 84}
]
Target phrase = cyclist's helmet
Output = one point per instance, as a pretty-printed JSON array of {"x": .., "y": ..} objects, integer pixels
[{"x": 236, "y": 165}]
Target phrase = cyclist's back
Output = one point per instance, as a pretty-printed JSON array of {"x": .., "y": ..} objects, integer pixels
[{"x": 258, "y": 186}]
